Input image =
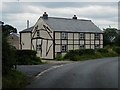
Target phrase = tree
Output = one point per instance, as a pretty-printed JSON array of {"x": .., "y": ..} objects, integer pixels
[
  {"x": 110, "y": 35},
  {"x": 8, "y": 51},
  {"x": 117, "y": 40}
]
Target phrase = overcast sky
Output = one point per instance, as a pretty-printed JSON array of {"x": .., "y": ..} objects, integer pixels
[{"x": 103, "y": 14}]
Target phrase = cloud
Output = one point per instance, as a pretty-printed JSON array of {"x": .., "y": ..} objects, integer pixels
[{"x": 103, "y": 14}]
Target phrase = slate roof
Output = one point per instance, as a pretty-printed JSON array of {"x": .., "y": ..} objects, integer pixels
[
  {"x": 70, "y": 25},
  {"x": 64, "y": 24},
  {"x": 27, "y": 30}
]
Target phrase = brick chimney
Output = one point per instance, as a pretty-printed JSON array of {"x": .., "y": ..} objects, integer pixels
[
  {"x": 74, "y": 17},
  {"x": 45, "y": 15}
]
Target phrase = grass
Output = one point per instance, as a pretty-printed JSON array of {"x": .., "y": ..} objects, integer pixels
[{"x": 14, "y": 79}]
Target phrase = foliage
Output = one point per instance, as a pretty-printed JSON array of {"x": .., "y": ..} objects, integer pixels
[
  {"x": 59, "y": 57},
  {"x": 14, "y": 79},
  {"x": 109, "y": 36},
  {"x": 87, "y": 54},
  {"x": 117, "y": 50},
  {"x": 8, "y": 51},
  {"x": 75, "y": 53},
  {"x": 117, "y": 40},
  {"x": 102, "y": 50},
  {"x": 27, "y": 57}
]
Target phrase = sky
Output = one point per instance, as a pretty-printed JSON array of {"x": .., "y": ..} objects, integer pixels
[{"x": 17, "y": 12}]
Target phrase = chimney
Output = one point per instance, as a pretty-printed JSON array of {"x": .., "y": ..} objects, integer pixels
[
  {"x": 74, "y": 17},
  {"x": 45, "y": 15},
  {"x": 27, "y": 23}
]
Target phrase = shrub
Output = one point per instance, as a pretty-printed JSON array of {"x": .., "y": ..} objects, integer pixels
[
  {"x": 86, "y": 51},
  {"x": 27, "y": 57},
  {"x": 117, "y": 50},
  {"x": 59, "y": 57},
  {"x": 102, "y": 50},
  {"x": 73, "y": 54}
]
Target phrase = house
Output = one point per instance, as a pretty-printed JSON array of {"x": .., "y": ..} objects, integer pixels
[
  {"x": 51, "y": 36},
  {"x": 13, "y": 39}
]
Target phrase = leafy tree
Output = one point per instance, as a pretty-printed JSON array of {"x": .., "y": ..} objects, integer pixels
[
  {"x": 109, "y": 36},
  {"x": 8, "y": 51},
  {"x": 117, "y": 40}
]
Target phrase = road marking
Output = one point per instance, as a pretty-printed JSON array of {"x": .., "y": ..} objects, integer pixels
[{"x": 53, "y": 67}]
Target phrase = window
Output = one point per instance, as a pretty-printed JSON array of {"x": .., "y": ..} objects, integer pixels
[
  {"x": 97, "y": 46},
  {"x": 82, "y": 46},
  {"x": 97, "y": 36},
  {"x": 82, "y": 36},
  {"x": 39, "y": 47},
  {"x": 38, "y": 33},
  {"x": 64, "y": 35},
  {"x": 64, "y": 48}
]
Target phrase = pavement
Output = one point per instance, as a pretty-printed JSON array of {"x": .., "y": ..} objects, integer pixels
[{"x": 99, "y": 73}]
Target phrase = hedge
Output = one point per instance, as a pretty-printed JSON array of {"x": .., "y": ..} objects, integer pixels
[
  {"x": 74, "y": 53},
  {"x": 27, "y": 57},
  {"x": 102, "y": 50}
]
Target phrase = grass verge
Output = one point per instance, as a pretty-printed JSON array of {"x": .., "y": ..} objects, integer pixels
[{"x": 15, "y": 79}]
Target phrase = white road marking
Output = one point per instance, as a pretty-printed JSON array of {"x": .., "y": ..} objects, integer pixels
[{"x": 53, "y": 67}]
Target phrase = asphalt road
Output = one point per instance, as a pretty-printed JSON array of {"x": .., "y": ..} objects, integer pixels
[{"x": 100, "y": 73}]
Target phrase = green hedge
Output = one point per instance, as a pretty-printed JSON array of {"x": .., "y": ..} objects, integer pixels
[
  {"x": 72, "y": 54},
  {"x": 27, "y": 57},
  {"x": 102, "y": 50}
]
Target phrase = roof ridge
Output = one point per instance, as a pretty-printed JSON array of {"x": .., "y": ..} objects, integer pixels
[{"x": 67, "y": 18}]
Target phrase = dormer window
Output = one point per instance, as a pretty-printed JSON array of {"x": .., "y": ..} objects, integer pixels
[
  {"x": 64, "y": 35},
  {"x": 82, "y": 36}
]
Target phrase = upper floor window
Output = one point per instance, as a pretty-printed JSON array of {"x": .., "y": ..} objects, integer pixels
[
  {"x": 82, "y": 36},
  {"x": 64, "y": 48},
  {"x": 39, "y": 47},
  {"x": 82, "y": 46},
  {"x": 64, "y": 35},
  {"x": 38, "y": 33},
  {"x": 97, "y": 36}
]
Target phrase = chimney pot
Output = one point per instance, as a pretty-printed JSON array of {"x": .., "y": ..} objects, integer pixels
[
  {"x": 74, "y": 17},
  {"x": 45, "y": 15}
]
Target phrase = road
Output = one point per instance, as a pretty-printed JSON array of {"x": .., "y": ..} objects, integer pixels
[{"x": 100, "y": 73}]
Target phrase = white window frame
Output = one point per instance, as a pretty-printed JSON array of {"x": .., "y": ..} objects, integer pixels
[
  {"x": 38, "y": 33},
  {"x": 97, "y": 46},
  {"x": 64, "y": 48},
  {"x": 64, "y": 35},
  {"x": 82, "y": 35},
  {"x": 97, "y": 36},
  {"x": 82, "y": 46},
  {"x": 38, "y": 47}
]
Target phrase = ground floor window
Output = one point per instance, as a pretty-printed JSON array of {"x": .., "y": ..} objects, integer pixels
[
  {"x": 97, "y": 46},
  {"x": 39, "y": 47},
  {"x": 64, "y": 48},
  {"x": 82, "y": 46}
]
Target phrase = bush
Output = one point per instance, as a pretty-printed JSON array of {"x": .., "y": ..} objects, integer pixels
[
  {"x": 102, "y": 50},
  {"x": 75, "y": 53},
  {"x": 117, "y": 50},
  {"x": 86, "y": 51},
  {"x": 27, "y": 57}
]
